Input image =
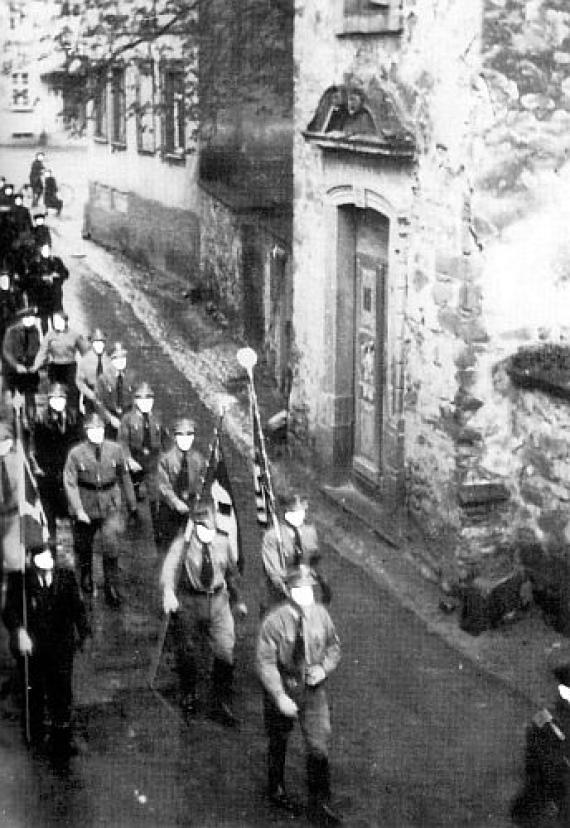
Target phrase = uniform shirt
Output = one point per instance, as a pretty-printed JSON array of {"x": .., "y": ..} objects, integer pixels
[
  {"x": 183, "y": 565},
  {"x": 276, "y": 654},
  {"x": 170, "y": 486},
  {"x": 53, "y": 436},
  {"x": 9, "y": 483},
  {"x": 131, "y": 438},
  {"x": 277, "y": 556},
  {"x": 87, "y": 372},
  {"x": 15, "y": 350},
  {"x": 60, "y": 348},
  {"x": 93, "y": 485},
  {"x": 106, "y": 392}
]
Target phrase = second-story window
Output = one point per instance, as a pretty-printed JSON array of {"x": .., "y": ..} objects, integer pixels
[
  {"x": 173, "y": 124},
  {"x": 118, "y": 107},
  {"x": 100, "y": 107},
  {"x": 145, "y": 107}
]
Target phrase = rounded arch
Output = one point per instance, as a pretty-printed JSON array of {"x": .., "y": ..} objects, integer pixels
[{"x": 361, "y": 197}]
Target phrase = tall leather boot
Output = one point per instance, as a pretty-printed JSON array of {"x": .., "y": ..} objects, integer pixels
[
  {"x": 222, "y": 679},
  {"x": 320, "y": 811},
  {"x": 275, "y": 773},
  {"x": 111, "y": 573}
]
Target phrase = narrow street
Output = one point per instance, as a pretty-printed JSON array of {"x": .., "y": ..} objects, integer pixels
[{"x": 420, "y": 738}]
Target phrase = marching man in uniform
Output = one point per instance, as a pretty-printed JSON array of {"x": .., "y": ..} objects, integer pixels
[
  {"x": 179, "y": 480},
  {"x": 297, "y": 650},
  {"x": 291, "y": 543},
  {"x": 114, "y": 390},
  {"x": 203, "y": 573},
  {"x": 94, "y": 473}
]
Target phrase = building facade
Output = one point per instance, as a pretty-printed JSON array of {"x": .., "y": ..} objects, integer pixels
[
  {"x": 33, "y": 106},
  {"x": 429, "y": 137}
]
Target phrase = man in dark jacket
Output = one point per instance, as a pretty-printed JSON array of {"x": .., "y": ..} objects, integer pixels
[
  {"x": 19, "y": 350},
  {"x": 545, "y": 798},
  {"x": 45, "y": 278},
  {"x": 47, "y": 634},
  {"x": 51, "y": 194},
  {"x": 55, "y": 432},
  {"x": 142, "y": 437},
  {"x": 114, "y": 390},
  {"x": 36, "y": 176},
  {"x": 180, "y": 470},
  {"x": 94, "y": 474}
]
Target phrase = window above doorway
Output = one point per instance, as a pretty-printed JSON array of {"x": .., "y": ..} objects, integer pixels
[{"x": 371, "y": 17}]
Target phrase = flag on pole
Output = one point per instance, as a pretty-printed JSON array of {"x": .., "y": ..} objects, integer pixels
[
  {"x": 217, "y": 485},
  {"x": 33, "y": 521},
  {"x": 260, "y": 476}
]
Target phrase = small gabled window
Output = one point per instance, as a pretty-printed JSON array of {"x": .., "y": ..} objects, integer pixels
[{"x": 371, "y": 16}]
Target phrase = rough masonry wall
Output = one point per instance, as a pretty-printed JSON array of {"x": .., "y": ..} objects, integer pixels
[
  {"x": 521, "y": 212},
  {"x": 429, "y": 71}
]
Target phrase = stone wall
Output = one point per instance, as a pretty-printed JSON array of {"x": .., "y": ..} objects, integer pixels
[{"x": 521, "y": 215}]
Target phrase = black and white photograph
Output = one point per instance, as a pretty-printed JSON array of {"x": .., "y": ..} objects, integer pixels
[{"x": 285, "y": 413}]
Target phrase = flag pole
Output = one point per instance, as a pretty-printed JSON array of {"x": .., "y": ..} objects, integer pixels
[
  {"x": 18, "y": 402},
  {"x": 247, "y": 358}
]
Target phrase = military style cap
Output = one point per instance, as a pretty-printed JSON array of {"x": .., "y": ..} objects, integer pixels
[
  {"x": 118, "y": 351},
  {"x": 299, "y": 576},
  {"x": 293, "y": 502},
  {"x": 93, "y": 421},
  {"x": 98, "y": 335},
  {"x": 204, "y": 514},
  {"x": 184, "y": 425},
  {"x": 39, "y": 216},
  {"x": 144, "y": 390},
  {"x": 57, "y": 390},
  {"x": 29, "y": 310},
  {"x": 562, "y": 674}
]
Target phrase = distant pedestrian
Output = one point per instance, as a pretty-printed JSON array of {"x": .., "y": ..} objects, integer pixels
[
  {"x": 36, "y": 177},
  {"x": 199, "y": 583},
  {"x": 290, "y": 543},
  {"x": 297, "y": 650},
  {"x": 180, "y": 469},
  {"x": 95, "y": 472},
  {"x": 47, "y": 630},
  {"x": 41, "y": 231},
  {"x": 545, "y": 798},
  {"x": 52, "y": 199}
]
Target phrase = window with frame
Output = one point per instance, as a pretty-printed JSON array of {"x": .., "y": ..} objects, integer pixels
[
  {"x": 371, "y": 16},
  {"x": 145, "y": 108},
  {"x": 100, "y": 107},
  {"x": 20, "y": 90},
  {"x": 118, "y": 107},
  {"x": 173, "y": 123}
]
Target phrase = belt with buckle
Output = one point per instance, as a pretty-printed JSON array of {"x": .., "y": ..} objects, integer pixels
[
  {"x": 97, "y": 487},
  {"x": 214, "y": 591}
]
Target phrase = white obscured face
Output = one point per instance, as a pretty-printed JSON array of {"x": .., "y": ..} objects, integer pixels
[
  {"x": 120, "y": 362},
  {"x": 57, "y": 404},
  {"x": 184, "y": 441},
  {"x": 144, "y": 404},
  {"x": 303, "y": 595},
  {"x": 44, "y": 560},
  {"x": 96, "y": 435},
  {"x": 45, "y": 251},
  {"x": 204, "y": 533},
  {"x": 98, "y": 346},
  {"x": 59, "y": 323},
  {"x": 4, "y": 281},
  {"x": 29, "y": 321},
  {"x": 564, "y": 692},
  {"x": 295, "y": 518}
]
